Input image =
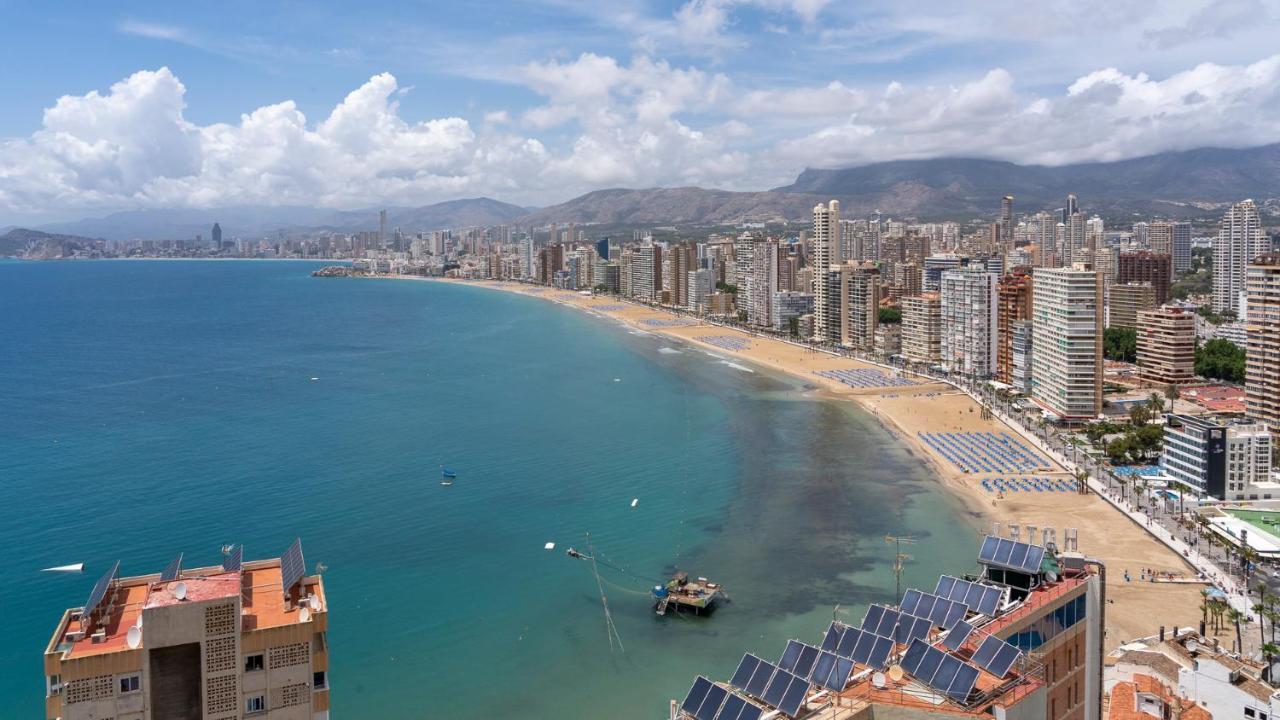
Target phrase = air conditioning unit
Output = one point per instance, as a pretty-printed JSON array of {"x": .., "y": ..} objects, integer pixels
[
  {"x": 75, "y": 635},
  {"x": 100, "y": 636}
]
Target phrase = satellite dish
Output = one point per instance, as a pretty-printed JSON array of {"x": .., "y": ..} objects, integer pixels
[
  {"x": 878, "y": 679},
  {"x": 304, "y": 614},
  {"x": 180, "y": 591},
  {"x": 133, "y": 637},
  {"x": 1051, "y": 576},
  {"x": 314, "y": 602},
  {"x": 895, "y": 673}
]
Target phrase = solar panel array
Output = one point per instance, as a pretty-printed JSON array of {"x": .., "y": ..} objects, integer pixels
[
  {"x": 234, "y": 560},
  {"x": 831, "y": 671},
  {"x": 860, "y": 645},
  {"x": 100, "y": 588},
  {"x": 996, "y": 656},
  {"x": 958, "y": 635},
  {"x": 1011, "y": 554},
  {"x": 941, "y": 671},
  {"x": 939, "y": 610},
  {"x": 798, "y": 658},
  {"x": 901, "y": 627},
  {"x": 172, "y": 570},
  {"x": 292, "y": 567},
  {"x": 983, "y": 598}
]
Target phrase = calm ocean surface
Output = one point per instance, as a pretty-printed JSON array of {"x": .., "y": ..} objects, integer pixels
[{"x": 151, "y": 408}]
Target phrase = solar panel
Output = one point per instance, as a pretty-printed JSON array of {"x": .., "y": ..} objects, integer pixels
[
  {"x": 910, "y": 628},
  {"x": 100, "y": 588},
  {"x": 822, "y": 668},
  {"x": 945, "y": 673},
  {"x": 996, "y": 656},
  {"x": 944, "y": 586},
  {"x": 292, "y": 567},
  {"x": 862, "y": 651},
  {"x": 732, "y": 707},
  {"x": 760, "y": 679},
  {"x": 808, "y": 655},
  {"x": 711, "y": 704},
  {"x": 910, "y": 601},
  {"x": 777, "y": 687},
  {"x": 1020, "y": 556},
  {"x": 794, "y": 697},
  {"x": 957, "y": 636},
  {"x": 954, "y": 615},
  {"x": 697, "y": 694},
  {"x": 233, "y": 561},
  {"x": 962, "y": 685},
  {"x": 880, "y": 653},
  {"x": 912, "y": 657},
  {"x": 947, "y": 670},
  {"x": 929, "y": 664},
  {"x": 172, "y": 570},
  {"x": 881, "y": 620},
  {"x": 840, "y": 675},
  {"x": 849, "y": 642},
  {"x": 832, "y": 639},
  {"x": 872, "y": 619},
  {"x": 750, "y": 712},
  {"x": 790, "y": 655},
  {"x": 745, "y": 670}
]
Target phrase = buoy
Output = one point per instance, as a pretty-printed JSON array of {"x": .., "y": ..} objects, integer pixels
[
  {"x": 549, "y": 546},
  {"x": 635, "y": 502}
]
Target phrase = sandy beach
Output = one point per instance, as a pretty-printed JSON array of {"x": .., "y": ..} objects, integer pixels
[{"x": 1134, "y": 608}]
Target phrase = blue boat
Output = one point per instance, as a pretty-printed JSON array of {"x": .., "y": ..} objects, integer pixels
[{"x": 446, "y": 472}]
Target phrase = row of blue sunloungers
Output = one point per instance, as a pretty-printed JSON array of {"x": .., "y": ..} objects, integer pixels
[
  {"x": 1027, "y": 484},
  {"x": 975, "y": 452}
]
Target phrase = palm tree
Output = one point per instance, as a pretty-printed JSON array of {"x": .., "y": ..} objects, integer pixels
[
  {"x": 1235, "y": 616},
  {"x": 1270, "y": 651}
]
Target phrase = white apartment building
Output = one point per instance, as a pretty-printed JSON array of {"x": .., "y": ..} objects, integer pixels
[
  {"x": 1240, "y": 240},
  {"x": 1067, "y": 364},
  {"x": 826, "y": 243},
  {"x": 1225, "y": 461},
  {"x": 969, "y": 316}
]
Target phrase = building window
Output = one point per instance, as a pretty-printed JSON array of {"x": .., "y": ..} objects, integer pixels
[
  {"x": 1248, "y": 712},
  {"x": 252, "y": 662},
  {"x": 130, "y": 683},
  {"x": 255, "y": 704},
  {"x": 55, "y": 684},
  {"x": 319, "y": 681}
]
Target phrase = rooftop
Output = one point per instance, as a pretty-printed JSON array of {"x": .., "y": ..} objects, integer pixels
[{"x": 258, "y": 584}]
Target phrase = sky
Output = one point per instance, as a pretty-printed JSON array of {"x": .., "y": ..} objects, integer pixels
[{"x": 137, "y": 105}]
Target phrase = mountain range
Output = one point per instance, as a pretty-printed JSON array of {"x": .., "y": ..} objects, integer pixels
[{"x": 1190, "y": 183}]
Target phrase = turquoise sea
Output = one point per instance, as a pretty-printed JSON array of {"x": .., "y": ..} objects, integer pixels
[{"x": 152, "y": 408}]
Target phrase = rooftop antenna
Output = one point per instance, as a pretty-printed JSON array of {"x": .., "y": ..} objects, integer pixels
[{"x": 899, "y": 558}]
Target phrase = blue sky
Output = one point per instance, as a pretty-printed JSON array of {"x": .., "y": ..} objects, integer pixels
[{"x": 131, "y": 105}]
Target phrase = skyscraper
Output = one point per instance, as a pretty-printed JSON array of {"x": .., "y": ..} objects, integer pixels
[
  {"x": 382, "y": 228},
  {"x": 1014, "y": 296},
  {"x": 1240, "y": 240},
  {"x": 1067, "y": 325},
  {"x": 969, "y": 310},
  {"x": 216, "y": 236},
  {"x": 922, "y": 328},
  {"x": 762, "y": 283},
  {"x": 859, "y": 300},
  {"x": 1006, "y": 223},
  {"x": 1147, "y": 267},
  {"x": 826, "y": 243},
  {"x": 1262, "y": 327}
]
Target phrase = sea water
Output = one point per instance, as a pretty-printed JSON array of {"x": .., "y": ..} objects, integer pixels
[{"x": 155, "y": 408}]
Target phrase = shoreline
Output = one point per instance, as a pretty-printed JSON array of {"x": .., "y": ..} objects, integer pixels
[{"x": 929, "y": 406}]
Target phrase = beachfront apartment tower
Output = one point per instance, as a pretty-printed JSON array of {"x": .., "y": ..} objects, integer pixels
[
  {"x": 1240, "y": 240},
  {"x": 236, "y": 640},
  {"x": 1166, "y": 346},
  {"x": 859, "y": 300},
  {"x": 826, "y": 247},
  {"x": 969, "y": 321},
  {"x": 762, "y": 282},
  {"x": 1067, "y": 364},
  {"x": 922, "y": 328},
  {"x": 1262, "y": 333},
  {"x": 1014, "y": 298},
  {"x": 646, "y": 281},
  {"x": 1022, "y": 347}
]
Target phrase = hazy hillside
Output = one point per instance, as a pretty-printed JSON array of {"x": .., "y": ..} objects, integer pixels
[
  {"x": 36, "y": 245},
  {"x": 676, "y": 205},
  {"x": 259, "y": 220}
]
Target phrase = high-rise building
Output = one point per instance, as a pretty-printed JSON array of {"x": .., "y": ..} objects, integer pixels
[
  {"x": 682, "y": 259},
  {"x": 1147, "y": 267},
  {"x": 1067, "y": 364},
  {"x": 859, "y": 300},
  {"x": 526, "y": 256},
  {"x": 788, "y": 306},
  {"x": 969, "y": 321},
  {"x": 1126, "y": 301},
  {"x": 647, "y": 268},
  {"x": 762, "y": 283},
  {"x": 1075, "y": 243},
  {"x": 1073, "y": 207},
  {"x": 934, "y": 266},
  {"x": 922, "y": 328},
  {"x": 1106, "y": 262},
  {"x": 382, "y": 228},
  {"x": 1228, "y": 462},
  {"x": 743, "y": 252},
  {"x": 1262, "y": 331},
  {"x": 701, "y": 283},
  {"x": 1014, "y": 296},
  {"x": 826, "y": 243},
  {"x": 1166, "y": 346},
  {"x": 229, "y": 641},
  {"x": 1006, "y": 223},
  {"x": 216, "y": 236},
  {"x": 1022, "y": 347},
  {"x": 1240, "y": 240},
  {"x": 1181, "y": 246}
]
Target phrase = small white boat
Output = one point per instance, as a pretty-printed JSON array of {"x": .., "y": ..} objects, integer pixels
[{"x": 74, "y": 568}]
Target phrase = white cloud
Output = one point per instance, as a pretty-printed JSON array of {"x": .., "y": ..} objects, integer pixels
[{"x": 603, "y": 123}]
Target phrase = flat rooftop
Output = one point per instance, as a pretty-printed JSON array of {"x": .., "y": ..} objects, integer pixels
[{"x": 258, "y": 584}]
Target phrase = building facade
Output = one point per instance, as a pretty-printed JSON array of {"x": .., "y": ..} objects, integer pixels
[
  {"x": 1224, "y": 461},
  {"x": 826, "y": 246},
  {"x": 1126, "y": 301},
  {"x": 922, "y": 328},
  {"x": 1240, "y": 240},
  {"x": 1166, "y": 346},
  {"x": 1262, "y": 335},
  {"x": 1147, "y": 267},
  {"x": 1067, "y": 365},
  {"x": 1014, "y": 295},
  {"x": 969, "y": 321}
]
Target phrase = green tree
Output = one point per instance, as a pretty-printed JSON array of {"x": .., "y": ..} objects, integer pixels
[
  {"x": 1120, "y": 343},
  {"x": 1221, "y": 360},
  {"x": 726, "y": 287},
  {"x": 891, "y": 315}
]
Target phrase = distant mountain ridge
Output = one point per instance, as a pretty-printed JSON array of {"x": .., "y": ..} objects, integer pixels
[
  {"x": 35, "y": 245},
  {"x": 255, "y": 221}
]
